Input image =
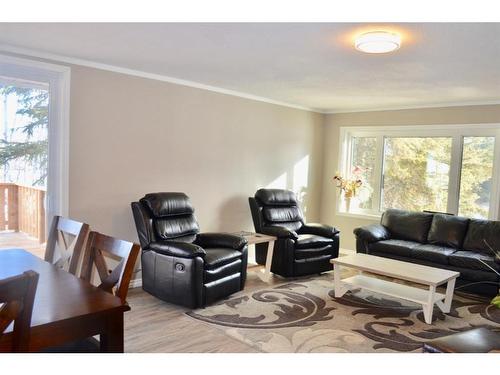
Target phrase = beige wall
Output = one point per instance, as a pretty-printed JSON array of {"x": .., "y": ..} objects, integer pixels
[
  {"x": 130, "y": 136},
  {"x": 425, "y": 116}
]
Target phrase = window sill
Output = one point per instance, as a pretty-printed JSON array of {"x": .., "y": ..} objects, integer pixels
[{"x": 360, "y": 215}]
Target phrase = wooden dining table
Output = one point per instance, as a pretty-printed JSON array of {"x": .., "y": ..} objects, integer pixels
[{"x": 66, "y": 308}]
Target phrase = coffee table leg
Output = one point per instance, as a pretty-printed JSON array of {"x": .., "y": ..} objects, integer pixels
[
  {"x": 429, "y": 306},
  {"x": 269, "y": 260},
  {"x": 339, "y": 288},
  {"x": 446, "y": 306}
]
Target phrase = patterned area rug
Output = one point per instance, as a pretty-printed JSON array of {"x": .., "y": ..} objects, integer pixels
[{"x": 304, "y": 316}]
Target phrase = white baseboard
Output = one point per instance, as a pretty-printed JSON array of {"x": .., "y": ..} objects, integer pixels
[
  {"x": 136, "y": 283},
  {"x": 346, "y": 251}
]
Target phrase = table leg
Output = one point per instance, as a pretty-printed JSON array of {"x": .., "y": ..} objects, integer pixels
[
  {"x": 112, "y": 339},
  {"x": 269, "y": 261},
  {"x": 429, "y": 306},
  {"x": 339, "y": 288},
  {"x": 446, "y": 306}
]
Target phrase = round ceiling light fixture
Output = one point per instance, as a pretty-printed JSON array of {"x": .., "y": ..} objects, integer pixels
[{"x": 377, "y": 42}]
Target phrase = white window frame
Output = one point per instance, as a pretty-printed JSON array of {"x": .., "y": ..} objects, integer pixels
[
  {"x": 454, "y": 131},
  {"x": 58, "y": 79}
]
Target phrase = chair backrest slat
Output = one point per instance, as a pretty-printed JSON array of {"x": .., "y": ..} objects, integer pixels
[
  {"x": 70, "y": 249},
  {"x": 17, "y": 294},
  {"x": 115, "y": 281}
]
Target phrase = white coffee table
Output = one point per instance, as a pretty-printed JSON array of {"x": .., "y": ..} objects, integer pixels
[{"x": 424, "y": 275}]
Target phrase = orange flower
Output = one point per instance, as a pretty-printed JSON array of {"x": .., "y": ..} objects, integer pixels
[{"x": 348, "y": 186}]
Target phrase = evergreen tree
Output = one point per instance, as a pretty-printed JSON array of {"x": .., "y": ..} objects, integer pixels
[
  {"x": 410, "y": 182},
  {"x": 33, "y": 105}
]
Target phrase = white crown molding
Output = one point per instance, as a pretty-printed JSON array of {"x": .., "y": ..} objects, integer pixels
[
  {"x": 6, "y": 48},
  {"x": 400, "y": 108}
]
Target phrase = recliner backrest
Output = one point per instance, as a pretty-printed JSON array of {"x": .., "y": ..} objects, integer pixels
[
  {"x": 172, "y": 215},
  {"x": 279, "y": 208}
]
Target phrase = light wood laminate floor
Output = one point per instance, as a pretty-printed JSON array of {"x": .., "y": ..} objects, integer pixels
[
  {"x": 156, "y": 326},
  {"x": 9, "y": 240}
]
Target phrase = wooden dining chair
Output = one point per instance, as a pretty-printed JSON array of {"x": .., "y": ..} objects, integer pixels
[
  {"x": 65, "y": 243},
  {"x": 116, "y": 280},
  {"x": 17, "y": 295}
]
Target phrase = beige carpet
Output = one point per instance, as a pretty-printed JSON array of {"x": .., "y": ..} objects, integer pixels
[{"x": 304, "y": 316}]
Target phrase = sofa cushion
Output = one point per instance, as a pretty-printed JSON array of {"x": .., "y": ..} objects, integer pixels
[
  {"x": 470, "y": 259},
  {"x": 394, "y": 247},
  {"x": 282, "y": 214},
  {"x": 465, "y": 273},
  {"x": 448, "y": 230},
  {"x": 308, "y": 241},
  {"x": 407, "y": 225},
  {"x": 176, "y": 226},
  {"x": 480, "y": 231},
  {"x": 219, "y": 257},
  {"x": 218, "y": 273},
  {"x": 312, "y": 253},
  {"x": 293, "y": 226},
  {"x": 432, "y": 253}
]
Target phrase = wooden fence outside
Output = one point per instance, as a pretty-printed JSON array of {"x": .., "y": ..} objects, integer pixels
[{"x": 22, "y": 209}]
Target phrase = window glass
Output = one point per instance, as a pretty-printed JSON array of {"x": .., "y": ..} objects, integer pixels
[
  {"x": 363, "y": 166},
  {"x": 24, "y": 115},
  {"x": 476, "y": 176},
  {"x": 416, "y": 173}
]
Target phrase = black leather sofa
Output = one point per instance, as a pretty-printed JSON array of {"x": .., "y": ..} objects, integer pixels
[
  {"x": 437, "y": 240},
  {"x": 301, "y": 249},
  {"x": 179, "y": 264}
]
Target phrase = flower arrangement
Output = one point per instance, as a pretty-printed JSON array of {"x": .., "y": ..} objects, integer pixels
[{"x": 349, "y": 186}]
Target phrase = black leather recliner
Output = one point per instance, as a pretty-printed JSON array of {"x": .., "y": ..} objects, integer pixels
[
  {"x": 301, "y": 249},
  {"x": 179, "y": 264}
]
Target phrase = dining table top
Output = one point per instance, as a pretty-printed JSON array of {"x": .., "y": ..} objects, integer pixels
[{"x": 60, "y": 296}]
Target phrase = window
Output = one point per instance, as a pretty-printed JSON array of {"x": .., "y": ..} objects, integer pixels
[
  {"x": 416, "y": 173},
  {"x": 36, "y": 125},
  {"x": 422, "y": 168}
]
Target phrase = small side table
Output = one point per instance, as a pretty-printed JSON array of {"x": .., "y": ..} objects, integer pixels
[{"x": 255, "y": 238}]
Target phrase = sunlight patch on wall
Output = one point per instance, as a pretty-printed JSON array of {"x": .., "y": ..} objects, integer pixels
[
  {"x": 300, "y": 181},
  {"x": 301, "y": 174},
  {"x": 278, "y": 183},
  {"x": 296, "y": 178}
]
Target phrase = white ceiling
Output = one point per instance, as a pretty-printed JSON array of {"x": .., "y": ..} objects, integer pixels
[{"x": 306, "y": 64}]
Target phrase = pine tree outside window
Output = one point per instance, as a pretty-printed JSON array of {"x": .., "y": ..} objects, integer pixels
[{"x": 24, "y": 140}]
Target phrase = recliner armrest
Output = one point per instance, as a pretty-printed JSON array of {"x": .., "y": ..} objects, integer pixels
[
  {"x": 372, "y": 233},
  {"x": 319, "y": 230},
  {"x": 221, "y": 240},
  {"x": 279, "y": 232},
  {"x": 177, "y": 249}
]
